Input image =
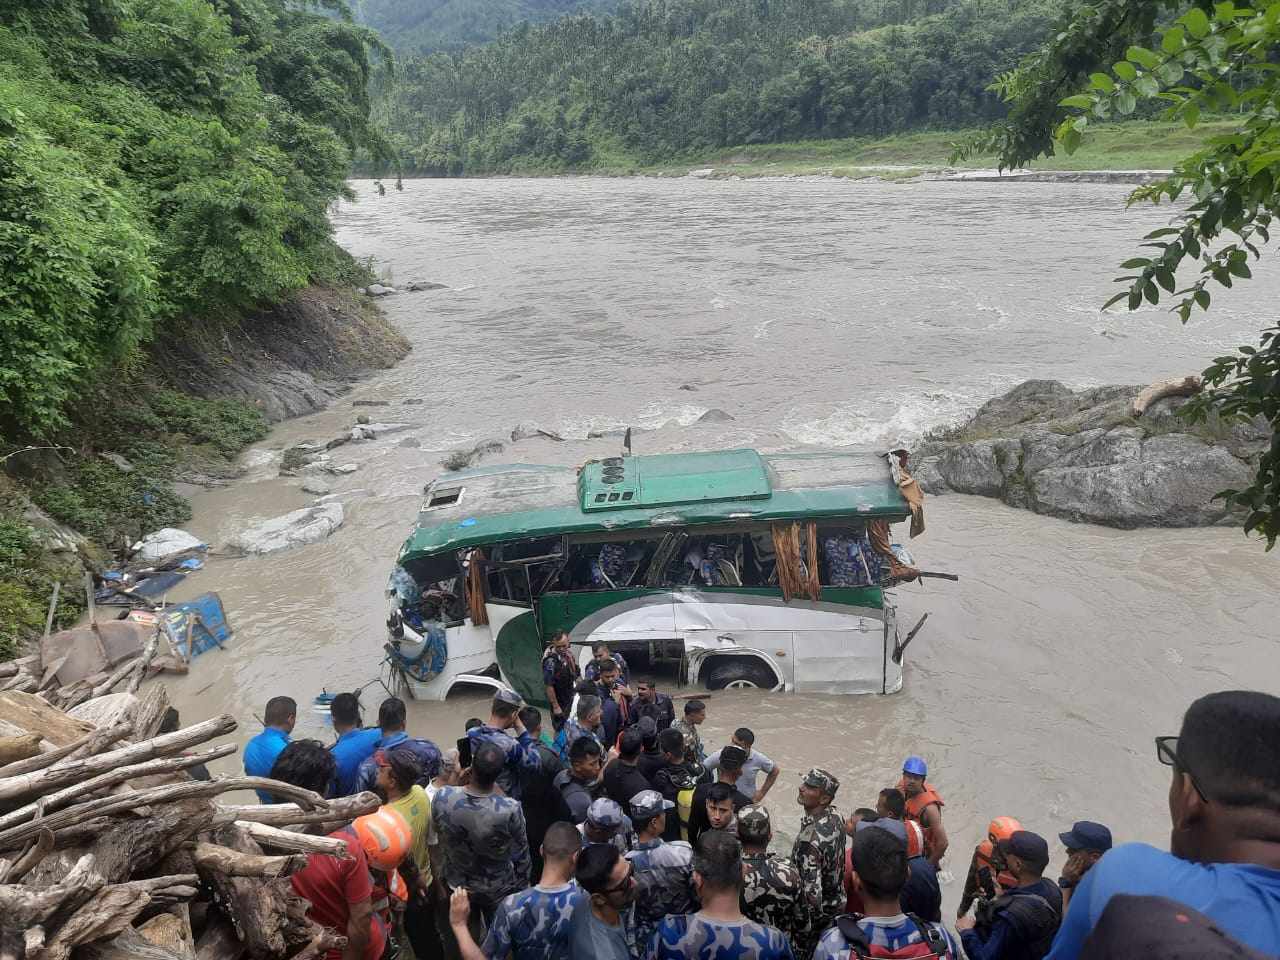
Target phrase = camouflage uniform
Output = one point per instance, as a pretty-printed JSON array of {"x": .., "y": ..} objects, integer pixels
[
  {"x": 484, "y": 844},
  {"x": 536, "y": 924},
  {"x": 521, "y": 753},
  {"x": 693, "y": 749},
  {"x": 771, "y": 891},
  {"x": 693, "y": 937},
  {"x": 818, "y": 855},
  {"x": 664, "y": 883}
]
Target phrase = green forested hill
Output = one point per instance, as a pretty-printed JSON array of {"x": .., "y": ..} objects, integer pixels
[
  {"x": 423, "y": 26},
  {"x": 666, "y": 77},
  {"x": 161, "y": 161}
]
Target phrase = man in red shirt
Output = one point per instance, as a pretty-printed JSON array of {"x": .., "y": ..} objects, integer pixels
[{"x": 340, "y": 891}]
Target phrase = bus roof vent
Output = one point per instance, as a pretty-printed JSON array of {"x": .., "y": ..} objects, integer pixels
[{"x": 619, "y": 483}]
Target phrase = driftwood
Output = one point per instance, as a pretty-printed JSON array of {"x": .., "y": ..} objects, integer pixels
[
  {"x": 219, "y": 942},
  {"x": 69, "y": 772},
  {"x": 153, "y": 704},
  {"x": 113, "y": 909},
  {"x": 62, "y": 798},
  {"x": 172, "y": 931},
  {"x": 14, "y": 749},
  {"x": 169, "y": 793},
  {"x": 30, "y": 858},
  {"x": 11, "y": 668},
  {"x": 144, "y": 662},
  {"x": 1177, "y": 387},
  {"x": 87, "y": 745},
  {"x": 214, "y": 859},
  {"x": 261, "y": 911},
  {"x": 341, "y": 810},
  {"x": 132, "y": 944},
  {"x": 36, "y": 716},
  {"x": 274, "y": 838}
]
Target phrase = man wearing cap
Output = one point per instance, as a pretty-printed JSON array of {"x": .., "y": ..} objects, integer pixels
[
  {"x": 652, "y": 704},
  {"x": 819, "y": 856},
  {"x": 399, "y": 779},
  {"x": 695, "y": 713},
  {"x": 520, "y": 752},
  {"x": 622, "y": 776},
  {"x": 924, "y": 805},
  {"x": 664, "y": 871},
  {"x": 771, "y": 891},
  {"x": 1086, "y": 842},
  {"x": 605, "y": 823},
  {"x": 700, "y": 815},
  {"x": 1021, "y": 923}
]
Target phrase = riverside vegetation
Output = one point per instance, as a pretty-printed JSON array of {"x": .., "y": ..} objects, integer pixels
[{"x": 166, "y": 169}]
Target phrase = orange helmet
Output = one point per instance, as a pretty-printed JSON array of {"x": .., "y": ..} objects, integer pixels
[
  {"x": 1002, "y": 828},
  {"x": 384, "y": 836}
]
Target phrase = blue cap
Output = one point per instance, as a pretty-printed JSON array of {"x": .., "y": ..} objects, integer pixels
[
  {"x": 887, "y": 824},
  {"x": 916, "y": 767},
  {"x": 1087, "y": 835},
  {"x": 605, "y": 813}
]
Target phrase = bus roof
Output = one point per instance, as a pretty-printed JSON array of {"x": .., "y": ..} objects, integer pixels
[{"x": 523, "y": 501}]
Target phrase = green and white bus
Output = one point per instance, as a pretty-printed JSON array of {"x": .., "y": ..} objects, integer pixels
[{"x": 733, "y": 567}]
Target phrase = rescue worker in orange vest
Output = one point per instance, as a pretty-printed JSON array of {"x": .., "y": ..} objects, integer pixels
[
  {"x": 987, "y": 867},
  {"x": 924, "y": 806}
]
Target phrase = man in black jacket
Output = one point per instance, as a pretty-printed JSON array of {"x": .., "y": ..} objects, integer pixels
[
  {"x": 720, "y": 793},
  {"x": 678, "y": 776},
  {"x": 1020, "y": 924},
  {"x": 543, "y": 803},
  {"x": 622, "y": 776}
]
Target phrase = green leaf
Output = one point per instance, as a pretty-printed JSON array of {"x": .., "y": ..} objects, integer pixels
[
  {"x": 1196, "y": 21},
  {"x": 1162, "y": 232},
  {"x": 1100, "y": 81},
  {"x": 1150, "y": 292},
  {"x": 1135, "y": 298},
  {"x": 1225, "y": 11},
  {"x": 1081, "y": 100},
  {"x": 1146, "y": 85},
  {"x": 1191, "y": 115},
  {"x": 1165, "y": 278},
  {"x": 1240, "y": 269},
  {"x": 1173, "y": 40},
  {"x": 1125, "y": 71},
  {"x": 1116, "y": 299},
  {"x": 1184, "y": 312},
  {"x": 1126, "y": 102},
  {"x": 1135, "y": 263},
  {"x": 1143, "y": 57}
]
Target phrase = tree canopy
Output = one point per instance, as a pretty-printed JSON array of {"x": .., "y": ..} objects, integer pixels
[
  {"x": 1110, "y": 58},
  {"x": 665, "y": 77},
  {"x": 427, "y": 26},
  {"x": 161, "y": 161}
]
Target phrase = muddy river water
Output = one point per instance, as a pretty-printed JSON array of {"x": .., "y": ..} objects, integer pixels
[{"x": 814, "y": 313}]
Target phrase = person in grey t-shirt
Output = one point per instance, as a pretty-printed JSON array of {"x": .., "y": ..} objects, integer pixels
[
  {"x": 599, "y": 927},
  {"x": 756, "y": 763}
]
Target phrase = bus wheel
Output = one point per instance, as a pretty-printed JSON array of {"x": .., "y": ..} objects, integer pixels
[{"x": 729, "y": 673}]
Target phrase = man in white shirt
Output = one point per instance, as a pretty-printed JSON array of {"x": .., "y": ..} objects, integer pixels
[{"x": 756, "y": 764}]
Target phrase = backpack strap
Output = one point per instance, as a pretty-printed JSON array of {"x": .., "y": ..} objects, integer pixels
[
  {"x": 856, "y": 937},
  {"x": 932, "y": 936}
]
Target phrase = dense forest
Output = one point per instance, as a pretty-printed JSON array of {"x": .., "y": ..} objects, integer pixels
[
  {"x": 662, "y": 78},
  {"x": 161, "y": 161},
  {"x": 425, "y": 26}
]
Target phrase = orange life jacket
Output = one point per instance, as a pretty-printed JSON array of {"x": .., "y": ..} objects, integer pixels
[
  {"x": 916, "y": 806},
  {"x": 985, "y": 855}
]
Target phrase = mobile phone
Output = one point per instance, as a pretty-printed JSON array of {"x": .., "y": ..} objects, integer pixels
[{"x": 464, "y": 752}]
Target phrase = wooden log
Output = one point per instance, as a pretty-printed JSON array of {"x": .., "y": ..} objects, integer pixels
[
  {"x": 257, "y": 908},
  {"x": 341, "y": 810},
  {"x": 148, "y": 654},
  {"x": 30, "y": 859},
  {"x": 219, "y": 942},
  {"x": 152, "y": 706},
  {"x": 274, "y": 838},
  {"x": 69, "y": 772},
  {"x": 117, "y": 675},
  {"x": 26, "y": 908},
  {"x": 321, "y": 944},
  {"x": 89, "y": 744},
  {"x": 65, "y": 797},
  {"x": 112, "y": 910},
  {"x": 172, "y": 931},
  {"x": 132, "y": 944},
  {"x": 36, "y": 716},
  {"x": 168, "y": 793},
  {"x": 11, "y": 668},
  {"x": 1176, "y": 387},
  {"x": 24, "y": 747},
  {"x": 211, "y": 858}
]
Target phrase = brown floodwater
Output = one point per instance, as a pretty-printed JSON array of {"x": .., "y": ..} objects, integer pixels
[{"x": 814, "y": 313}]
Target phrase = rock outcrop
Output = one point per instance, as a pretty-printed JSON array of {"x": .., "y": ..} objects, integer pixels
[
  {"x": 308, "y": 525},
  {"x": 1084, "y": 456}
]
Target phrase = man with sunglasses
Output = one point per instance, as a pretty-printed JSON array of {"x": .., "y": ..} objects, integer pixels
[
  {"x": 1224, "y": 805},
  {"x": 600, "y": 932}
]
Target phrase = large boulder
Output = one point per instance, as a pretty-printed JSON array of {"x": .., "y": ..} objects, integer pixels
[
  {"x": 165, "y": 543},
  {"x": 308, "y": 525}
]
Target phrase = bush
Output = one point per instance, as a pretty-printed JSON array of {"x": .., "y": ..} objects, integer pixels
[
  {"x": 226, "y": 425},
  {"x": 110, "y": 506},
  {"x": 27, "y": 575}
]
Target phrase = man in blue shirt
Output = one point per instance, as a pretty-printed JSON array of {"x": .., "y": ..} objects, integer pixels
[
  {"x": 260, "y": 753},
  {"x": 521, "y": 754},
  {"x": 1224, "y": 804},
  {"x": 391, "y": 724},
  {"x": 355, "y": 745}
]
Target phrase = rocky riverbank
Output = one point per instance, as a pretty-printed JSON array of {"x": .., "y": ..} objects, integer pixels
[{"x": 1087, "y": 455}]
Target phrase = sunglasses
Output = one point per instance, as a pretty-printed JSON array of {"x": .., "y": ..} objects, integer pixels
[
  {"x": 624, "y": 883},
  {"x": 1167, "y": 753}
]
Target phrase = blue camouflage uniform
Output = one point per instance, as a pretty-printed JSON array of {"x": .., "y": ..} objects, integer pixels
[
  {"x": 693, "y": 937},
  {"x": 484, "y": 843},
  {"x": 664, "y": 883},
  {"x": 535, "y": 924},
  {"x": 887, "y": 933},
  {"x": 572, "y": 731},
  {"x": 426, "y": 753},
  {"x": 521, "y": 753}
]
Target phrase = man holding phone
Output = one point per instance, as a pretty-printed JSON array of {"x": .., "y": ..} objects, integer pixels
[{"x": 520, "y": 751}]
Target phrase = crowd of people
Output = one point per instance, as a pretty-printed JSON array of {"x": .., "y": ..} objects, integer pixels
[{"x": 611, "y": 834}]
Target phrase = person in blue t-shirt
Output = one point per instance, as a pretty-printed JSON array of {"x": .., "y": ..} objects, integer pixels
[
  {"x": 1224, "y": 804},
  {"x": 260, "y": 753},
  {"x": 536, "y": 923},
  {"x": 355, "y": 745},
  {"x": 391, "y": 724}
]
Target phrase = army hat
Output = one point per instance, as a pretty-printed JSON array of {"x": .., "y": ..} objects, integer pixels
[
  {"x": 824, "y": 781},
  {"x": 754, "y": 824},
  {"x": 646, "y": 804},
  {"x": 508, "y": 696},
  {"x": 604, "y": 813}
]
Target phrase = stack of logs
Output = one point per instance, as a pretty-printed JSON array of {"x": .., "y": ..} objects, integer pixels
[{"x": 111, "y": 850}]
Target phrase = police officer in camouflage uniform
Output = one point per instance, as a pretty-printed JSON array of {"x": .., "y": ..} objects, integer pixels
[
  {"x": 664, "y": 871},
  {"x": 771, "y": 892},
  {"x": 819, "y": 857},
  {"x": 520, "y": 752}
]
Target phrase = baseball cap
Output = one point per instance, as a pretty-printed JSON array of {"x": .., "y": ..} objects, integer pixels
[
  {"x": 732, "y": 758},
  {"x": 508, "y": 696},
  {"x": 645, "y": 804},
  {"x": 754, "y": 823},
  {"x": 1160, "y": 929},
  {"x": 1087, "y": 835},
  {"x": 916, "y": 767},
  {"x": 604, "y": 813},
  {"x": 817, "y": 777},
  {"x": 1027, "y": 845},
  {"x": 887, "y": 824}
]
